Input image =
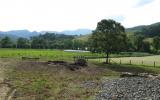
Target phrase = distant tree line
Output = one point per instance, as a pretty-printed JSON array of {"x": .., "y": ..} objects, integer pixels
[
  {"x": 142, "y": 43},
  {"x": 109, "y": 36},
  {"x": 44, "y": 41}
]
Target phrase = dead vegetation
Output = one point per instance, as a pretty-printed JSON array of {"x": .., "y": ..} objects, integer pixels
[
  {"x": 56, "y": 80},
  {"x": 6, "y": 89}
]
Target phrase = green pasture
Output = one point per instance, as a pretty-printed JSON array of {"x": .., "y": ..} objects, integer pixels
[
  {"x": 145, "y": 61},
  {"x": 43, "y": 54},
  {"x": 53, "y": 54},
  {"x": 59, "y": 54}
]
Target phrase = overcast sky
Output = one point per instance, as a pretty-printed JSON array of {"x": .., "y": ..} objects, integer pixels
[{"x": 58, "y": 15}]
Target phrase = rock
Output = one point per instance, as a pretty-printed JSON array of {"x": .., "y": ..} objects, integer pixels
[
  {"x": 146, "y": 75},
  {"x": 130, "y": 88},
  {"x": 127, "y": 74}
]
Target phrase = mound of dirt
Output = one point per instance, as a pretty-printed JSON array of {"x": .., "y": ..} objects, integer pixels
[
  {"x": 81, "y": 62},
  {"x": 71, "y": 66},
  {"x": 57, "y": 62}
]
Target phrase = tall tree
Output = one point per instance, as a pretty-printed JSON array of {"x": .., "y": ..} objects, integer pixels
[
  {"x": 23, "y": 43},
  {"x": 138, "y": 41},
  {"x": 145, "y": 46},
  {"x": 38, "y": 43},
  {"x": 6, "y": 42},
  {"x": 156, "y": 43},
  {"x": 109, "y": 36}
]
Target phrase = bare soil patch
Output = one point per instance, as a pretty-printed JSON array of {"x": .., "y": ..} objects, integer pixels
[
  {"x": 56, "y": 80},
  {"x": 5, "y": 88}
]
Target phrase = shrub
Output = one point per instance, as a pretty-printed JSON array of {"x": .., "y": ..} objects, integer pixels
[{"x": 81, "y": 62}]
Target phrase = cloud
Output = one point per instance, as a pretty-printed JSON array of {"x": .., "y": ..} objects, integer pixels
[
  {"x": 118, "y": 18},
  {"x": 61, "y": 15},
  {"x": 143, "y": 2},
  {"x": 144, "y": 15}
]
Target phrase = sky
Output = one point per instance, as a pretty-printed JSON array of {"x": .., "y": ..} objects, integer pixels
[{"x": 59, "y": 15}]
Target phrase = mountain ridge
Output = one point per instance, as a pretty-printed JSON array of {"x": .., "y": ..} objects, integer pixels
[
  {"x": 28, "y": 34},
  {"x": 149, "y": 30}
]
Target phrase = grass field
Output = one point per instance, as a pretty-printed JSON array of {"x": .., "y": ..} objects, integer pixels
[
  {"x": 45, "y": 54},
  {"x": 147, "y": 61},
  {"x": 50, "y": 54},
  {"x": 38, "y": 80},
  {"x": 144, "y": 61}
]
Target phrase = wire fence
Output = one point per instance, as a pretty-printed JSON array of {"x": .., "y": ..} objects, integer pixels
[
  {"x": 136, "y": 62},
  {"x": 142, "y": 61}
]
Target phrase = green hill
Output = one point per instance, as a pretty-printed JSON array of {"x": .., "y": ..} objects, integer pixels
[
  {"x": 147, "y": 30},
  {"x": 83, "y": 37}
]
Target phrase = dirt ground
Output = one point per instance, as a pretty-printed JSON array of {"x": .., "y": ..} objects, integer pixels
[
  {"x": 48, "y": 80},
  {"x": 41, "y": 80},
  {"x": 4, "y": 88},
  {"x": 6, "y": 91}
]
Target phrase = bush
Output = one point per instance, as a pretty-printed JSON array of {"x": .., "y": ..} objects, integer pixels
[{"x": 81, "y": 62}]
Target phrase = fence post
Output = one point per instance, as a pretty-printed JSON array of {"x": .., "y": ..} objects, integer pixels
[
  {"x": 142, "y": 62},
  {"x": 154, "y": 64},
  {"x": 130, "y": 62}
]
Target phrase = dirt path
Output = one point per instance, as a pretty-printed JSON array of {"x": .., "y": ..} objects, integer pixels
[{"x": 4, "y": 89}]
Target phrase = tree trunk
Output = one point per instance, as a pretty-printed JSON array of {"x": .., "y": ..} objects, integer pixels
[{"x": 107, "y": 58}]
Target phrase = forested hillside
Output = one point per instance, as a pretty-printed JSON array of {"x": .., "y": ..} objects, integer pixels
[{"x": 147, "y": 30}]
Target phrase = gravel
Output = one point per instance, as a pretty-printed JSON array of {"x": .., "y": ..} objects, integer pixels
[
  {"x": 89, "y": 84},
  {"x": 130, "y": 88}
]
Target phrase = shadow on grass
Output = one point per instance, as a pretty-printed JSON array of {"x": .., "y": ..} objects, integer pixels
[{"x": 129, "y": 68}]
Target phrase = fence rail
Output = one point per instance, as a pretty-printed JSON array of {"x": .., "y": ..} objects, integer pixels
[
  {"x": 135, "y": 62},
  {"x": 125, "y": 60}
]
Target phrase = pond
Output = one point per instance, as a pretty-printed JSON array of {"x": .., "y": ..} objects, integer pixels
[{"x": 75, "y": 51}]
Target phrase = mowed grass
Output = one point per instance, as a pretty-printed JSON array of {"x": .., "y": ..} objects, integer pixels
[
  {"x": 147, "y": 61},
  {"x": 143, "y": 61},
  {"x": 45, "y": 54},
  {"x": 54, "y": 54}
]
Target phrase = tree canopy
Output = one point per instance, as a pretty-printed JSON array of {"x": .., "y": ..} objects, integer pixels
[
  {"x": 156, "y": 43},
  {"x": 6, "y": 42},
  {"x": 109, "y": 35},
  {"x": 23, "y": 43}
]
